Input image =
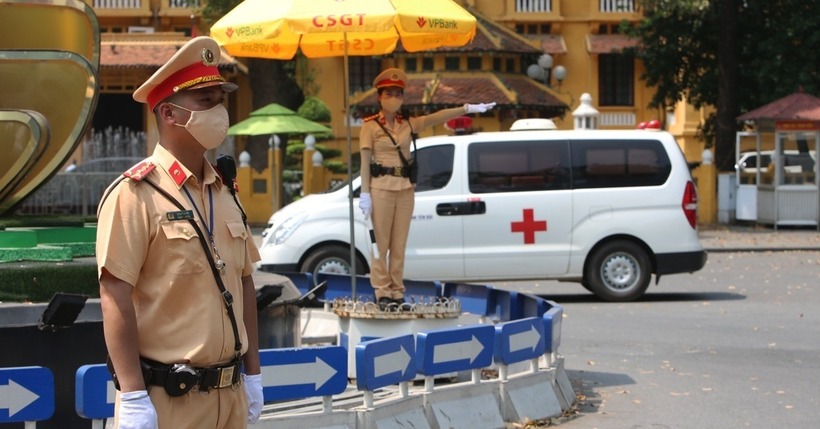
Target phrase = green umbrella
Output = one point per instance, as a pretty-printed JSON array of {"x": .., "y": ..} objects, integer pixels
[{"x": 276, "y": 119}]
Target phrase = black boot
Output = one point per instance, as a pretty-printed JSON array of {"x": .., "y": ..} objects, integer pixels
[{"x": 386, "y": 304}]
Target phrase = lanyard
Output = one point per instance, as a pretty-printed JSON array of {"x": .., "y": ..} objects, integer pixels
[{"x": 209, "y": 227}]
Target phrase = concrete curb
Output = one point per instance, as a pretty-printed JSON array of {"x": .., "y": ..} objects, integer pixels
[{"x": 760, "y": 249}]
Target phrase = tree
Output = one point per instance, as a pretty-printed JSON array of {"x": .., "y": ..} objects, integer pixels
[
  {"x": 272, "y": 81},
  {"x": 736, "y": 55}
]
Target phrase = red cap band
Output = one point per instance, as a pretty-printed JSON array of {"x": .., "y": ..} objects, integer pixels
[
  {"x": 185, "y": 78},
  {"x": 390, "y": 82}
]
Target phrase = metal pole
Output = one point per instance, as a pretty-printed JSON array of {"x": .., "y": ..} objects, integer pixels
[{"x": 349, "y": 174}]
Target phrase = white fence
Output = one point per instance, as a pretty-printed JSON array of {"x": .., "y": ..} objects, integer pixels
[{"x": 533, "y": 5}]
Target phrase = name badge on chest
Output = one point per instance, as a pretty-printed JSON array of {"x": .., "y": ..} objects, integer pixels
[{"x": 180, "y": 215}]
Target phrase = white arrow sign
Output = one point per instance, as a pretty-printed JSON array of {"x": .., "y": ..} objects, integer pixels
[
  {"x": 15, "y": 397},
  {"x": 524, "y": 340},
  {"x": 317, "y": 373},
  {"x": 391, "y": 362},
  {"x": 457, "y": 351}
]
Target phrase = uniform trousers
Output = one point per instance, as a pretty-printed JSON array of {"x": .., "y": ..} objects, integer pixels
[
  {"x": 392, "y": 211},
  {"x": 225, "y": 408}
]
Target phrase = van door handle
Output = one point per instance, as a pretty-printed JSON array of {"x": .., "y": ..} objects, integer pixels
[{"x": 461, "y": 208}]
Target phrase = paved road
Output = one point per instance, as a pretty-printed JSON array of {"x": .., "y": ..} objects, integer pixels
[{"x": 732, "y": 346}]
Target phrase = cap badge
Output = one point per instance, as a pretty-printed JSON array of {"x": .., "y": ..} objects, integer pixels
[{"x": 208, "y": 57}]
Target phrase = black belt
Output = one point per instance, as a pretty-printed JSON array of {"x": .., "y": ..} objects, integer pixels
[
  {"x": 178, "y": 379},
  {"x": 394, "y": 171}
]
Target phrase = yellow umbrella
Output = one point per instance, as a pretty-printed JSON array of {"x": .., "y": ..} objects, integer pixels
[{"x": 277, "y": 29}]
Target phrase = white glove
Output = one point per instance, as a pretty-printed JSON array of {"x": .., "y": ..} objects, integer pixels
[
  {"x": 137, "y": 411},
  {"x": 365, "y": 204},
  {"x": 478, "y": 108},
  {"x": 253, "y": 390}
]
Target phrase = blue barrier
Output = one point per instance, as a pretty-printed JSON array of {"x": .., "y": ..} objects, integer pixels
[
  {"x": 421, "y": 288},
  {"x": 27, "y": 394},
  {"x": 532, "y": 306},
  {"x": 553, "y": 321},
  {"x": 453, "y": 350},
  {"x": 475, "y": 299},
  {"x": 527, "y": 327},
  {"x": 384, "y": 362},
  {"x": 302, "y": 281},
  {"x": 341, "y": 285},
  {"x": 519, "y": 340}
]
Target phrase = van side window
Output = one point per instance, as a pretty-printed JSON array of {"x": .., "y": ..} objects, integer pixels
[
  {"x": 518, "y": 166},
  {"x": 435, "y": 167},
  {"x": 619, "y": 163}
]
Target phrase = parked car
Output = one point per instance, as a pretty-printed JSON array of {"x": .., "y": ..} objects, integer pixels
[
  {"x": 793, "y": 161},
  {"x": 603, "y": 208}
]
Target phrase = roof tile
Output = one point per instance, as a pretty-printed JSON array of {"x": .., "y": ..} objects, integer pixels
[{"x": 797, "y": 106}]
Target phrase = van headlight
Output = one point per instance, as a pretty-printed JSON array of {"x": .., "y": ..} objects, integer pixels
[{"x": 280, "y": 233}]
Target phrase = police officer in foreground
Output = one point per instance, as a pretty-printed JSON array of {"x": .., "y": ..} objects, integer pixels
[
  {"x": 388, "y": 185},
  {"x": 175, "y": 258}
]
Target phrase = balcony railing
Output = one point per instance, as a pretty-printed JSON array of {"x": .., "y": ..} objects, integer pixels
[
  {"x": 618, "y": 6},
  {"x": 137, "y": 4},
  {"x": 183, "y": 4},
  {"x": 526, "y": 6},
  {"x": 117, "y": 4},
  {"x": 617, "y": 119}
]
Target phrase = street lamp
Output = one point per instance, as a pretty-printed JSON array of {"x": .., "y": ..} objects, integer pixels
[{"x": 543, "y": 69}]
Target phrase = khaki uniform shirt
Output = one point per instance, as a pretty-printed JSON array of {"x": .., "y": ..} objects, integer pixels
[
  {"x": 181, "y": 315},
  {"x": 384, "y": 152}
]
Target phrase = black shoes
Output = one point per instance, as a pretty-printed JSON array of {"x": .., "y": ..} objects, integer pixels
[{"x": 385, "y": 304}]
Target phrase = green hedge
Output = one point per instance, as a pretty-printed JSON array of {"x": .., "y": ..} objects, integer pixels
[
  {"x": 39, "y": 281},
  {"x": 44, "y": 221}
]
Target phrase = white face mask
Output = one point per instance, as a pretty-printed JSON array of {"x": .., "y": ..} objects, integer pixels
[
  {"x": 392, "y": 104},
  {"x": 208, "y": 127}
]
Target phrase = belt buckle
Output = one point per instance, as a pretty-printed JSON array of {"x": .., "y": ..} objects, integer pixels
[
  {"x": 397, "y": 172},
  {"x": 226, "y": 376}
]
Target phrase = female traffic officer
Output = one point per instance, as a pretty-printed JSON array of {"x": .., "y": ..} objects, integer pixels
[{"x": 387, "y": 192}]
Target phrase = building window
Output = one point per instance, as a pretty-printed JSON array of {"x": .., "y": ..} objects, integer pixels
[
  {"x": 497, "y": 64},
  {"x": 616, "y": 79},
  {"x": 410, "y": 64},
  {"x": 510, "y": 65},
  {"x": 427, "y": 64},
  {"x": 452, "y": 63},
  {"x": 533, "y": 29},
  {"x": 473, "y": 63},
  {"x": 362, "y": 72}
]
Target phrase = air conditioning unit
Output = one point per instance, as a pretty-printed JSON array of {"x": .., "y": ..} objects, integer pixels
[{"x": 138, "y": 29}]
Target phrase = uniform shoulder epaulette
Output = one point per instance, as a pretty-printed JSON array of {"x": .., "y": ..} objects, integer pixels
[
  {"x": 370, "y": 118},
  {"x": 139, "y": 171}
]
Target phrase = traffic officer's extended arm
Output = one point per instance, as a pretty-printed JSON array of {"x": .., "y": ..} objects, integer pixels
[
  {"x": 252, "y": 377},
  {"x": 445, "y": 115}
]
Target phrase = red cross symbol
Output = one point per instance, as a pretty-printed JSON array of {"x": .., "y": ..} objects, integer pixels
[{"x": 529, "y": 226}]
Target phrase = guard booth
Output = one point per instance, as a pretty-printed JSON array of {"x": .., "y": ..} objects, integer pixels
[{"x": 777, "y": 169}]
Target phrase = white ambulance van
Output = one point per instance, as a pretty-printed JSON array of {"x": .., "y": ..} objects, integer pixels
[{"x": 606, "y": 209}]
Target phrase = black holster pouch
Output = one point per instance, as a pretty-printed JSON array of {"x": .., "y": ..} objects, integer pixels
[
  {"x": 375, "y": 169},
  {"x": 146, "y": 373}
]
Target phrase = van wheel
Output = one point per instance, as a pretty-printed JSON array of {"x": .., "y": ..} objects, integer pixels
[
  {"x": 332, "y": 260},
  {"x": 618, "y": 271}
]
